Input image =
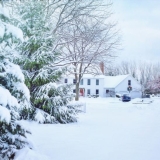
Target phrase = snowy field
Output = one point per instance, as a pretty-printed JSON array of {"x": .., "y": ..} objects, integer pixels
[{"x": 109, "y": 130}]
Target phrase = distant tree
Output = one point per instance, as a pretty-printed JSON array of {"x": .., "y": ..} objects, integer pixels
[
  {"x": 125, "y": 67},
  {"x": 153, "y": 86},
  {"x": 145, "y": 75},
  {"x": 156, "y": 71},
  {"x": 144, "y": 72}
]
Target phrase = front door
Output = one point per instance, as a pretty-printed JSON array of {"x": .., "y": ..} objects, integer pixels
[{"x": 81, "y": 92}]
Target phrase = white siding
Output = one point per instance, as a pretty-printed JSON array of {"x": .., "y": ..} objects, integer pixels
[
  {"x": 93, "y": 86},
  {"x": 120, "y": 88},
  {"x": 70, "y": 80},
  {"x": 111, "y": 92},
  {"x": 136, "y": 87}
]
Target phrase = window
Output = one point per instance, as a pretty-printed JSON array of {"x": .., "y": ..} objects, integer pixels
[
  {"x": 97, "y": 81},
  {"x": 89, "y": 82},
  {"x": 65, "y": 80},
  {"x": 88, "y": 91},
  {"x": 129, "y": 82},
  {"x": 74, "y": 91},
  {"x": 107, "y": 91},
  {"x": 81, "y": 83},
  {"x": 74, "y": 81},
  {"x": 97, "y": 91}
]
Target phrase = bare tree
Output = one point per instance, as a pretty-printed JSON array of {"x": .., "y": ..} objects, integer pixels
[
  {"x": 84, "y": 34},
  {"x": 153, "y": 86},
  {"x": 145, "y": 72},
  {"x": 88, "y": 41},
  {"x": 156, "y": 71},
  {"x": 142, "y": 71},
  {"x": 61, "y": 12},
  {"x": 125, "y": 67},
  {"x": 145, "y": 75},
  {"x": 128, "y": 67}
]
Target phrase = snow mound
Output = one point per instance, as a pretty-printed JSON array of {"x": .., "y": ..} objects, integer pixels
[
  {"x": 43, "y": 117},
  {"x": 142, "y": 100},
  {"x": 39, "y": 117},
  {"x": 28, "y": 154}
]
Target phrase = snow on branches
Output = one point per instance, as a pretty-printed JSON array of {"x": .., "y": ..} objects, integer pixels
[
  {"x": 14, "y": 95},
  {"x": 154, "y": 86},
  {"x": 39, "y": 56}
]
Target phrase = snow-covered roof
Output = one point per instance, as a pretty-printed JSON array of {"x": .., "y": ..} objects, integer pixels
[
  {"x": 86, "y": 76},
  {"x": 113, "y": 81},
  {"x": 109, "y": 81},
  {"x": 93, "y": 76}
]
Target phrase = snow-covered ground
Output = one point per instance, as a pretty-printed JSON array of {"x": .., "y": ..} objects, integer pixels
[{"x": 109, "y": 130}]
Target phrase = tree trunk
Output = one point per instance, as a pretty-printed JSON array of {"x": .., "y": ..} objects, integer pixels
[{"x": 77, "y": 92}]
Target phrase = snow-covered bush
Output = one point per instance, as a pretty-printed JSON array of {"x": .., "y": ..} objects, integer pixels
[
  {"x": 12, "y": 133},
  {"x": 39, "y": 57},
  {"x": 55, "y": 99},
  {"x": 11, "y": 76},
  {"x": 14, "y": 95}
]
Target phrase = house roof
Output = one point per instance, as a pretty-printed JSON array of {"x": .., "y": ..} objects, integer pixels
[
  {"x": 113, "y": 81},
  {"x": 93, "y": 76},
  {"x": 109, "y": 81},
  {"x": 86, "y": 76}
]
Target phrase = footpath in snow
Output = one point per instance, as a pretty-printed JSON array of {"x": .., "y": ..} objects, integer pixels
[{"x": 109, "y": 130}]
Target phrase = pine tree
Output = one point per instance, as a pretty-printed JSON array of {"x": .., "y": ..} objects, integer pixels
[
  {"x": 14, "y": 95},
  {"x": 43, "y": 80}
]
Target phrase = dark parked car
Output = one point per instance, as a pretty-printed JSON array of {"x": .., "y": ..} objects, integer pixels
[
  {"x": 126, "y": 98},
  {"x": 147, "y": 96}
]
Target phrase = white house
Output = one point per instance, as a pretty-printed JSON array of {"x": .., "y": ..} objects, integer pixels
[{"x": 107, "y": 86}]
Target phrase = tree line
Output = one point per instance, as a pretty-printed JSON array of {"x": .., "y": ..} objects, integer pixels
[{"x": 146, "y": 73}]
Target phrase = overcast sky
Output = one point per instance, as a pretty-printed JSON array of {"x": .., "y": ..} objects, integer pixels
[{"x": 139, "y": 24}]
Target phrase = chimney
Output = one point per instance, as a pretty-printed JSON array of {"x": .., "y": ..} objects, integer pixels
[{"x": 102, "y": 67}]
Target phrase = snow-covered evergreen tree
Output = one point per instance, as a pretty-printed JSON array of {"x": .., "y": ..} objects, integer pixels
[
  {"x": 14, "y": 95},
  {"x": 43, "y": 80}
]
